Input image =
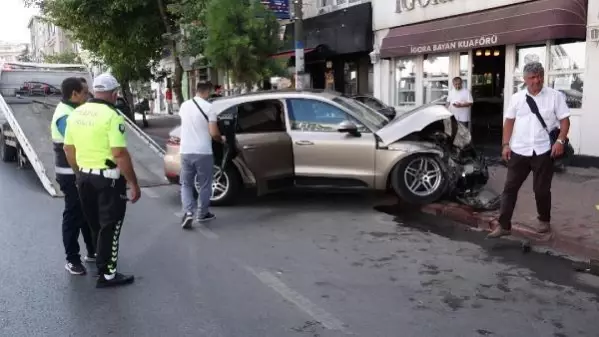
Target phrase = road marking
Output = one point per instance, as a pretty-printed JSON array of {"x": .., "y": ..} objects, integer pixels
[
  {"x": 150, "y": 193},
  {"x": 206, "y": 232},
  {"x": 319, "y": 314}
]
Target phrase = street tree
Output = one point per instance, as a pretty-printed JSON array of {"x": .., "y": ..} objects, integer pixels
[
  {"x": 127, "y": 35},
  {"x": 241, "y": 36},
  {"x": 68, "y": 57}
]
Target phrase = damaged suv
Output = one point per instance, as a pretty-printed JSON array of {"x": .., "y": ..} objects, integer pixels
[{"x": 283, "y": 139}]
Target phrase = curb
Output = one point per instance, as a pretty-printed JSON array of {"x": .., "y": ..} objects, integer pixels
[{"x": 465, "y": 215}]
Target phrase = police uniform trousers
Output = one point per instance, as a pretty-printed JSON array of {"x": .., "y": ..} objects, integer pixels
[
  {"x": 104, "y": 202},
  {"x": 73, "y": 220}
]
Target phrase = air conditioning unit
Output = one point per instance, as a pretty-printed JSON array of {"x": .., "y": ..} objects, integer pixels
[{"x": 593, "y": 34}]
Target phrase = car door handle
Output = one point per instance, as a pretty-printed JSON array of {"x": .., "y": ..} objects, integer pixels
[
  {"x": 249, "y": 147},
  {"x": 304, "y": 142}
]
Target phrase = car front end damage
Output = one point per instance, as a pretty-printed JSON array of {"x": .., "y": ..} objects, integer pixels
[
  {"x": 437, "y": 132},
  {"x": 466, "y": 168}
]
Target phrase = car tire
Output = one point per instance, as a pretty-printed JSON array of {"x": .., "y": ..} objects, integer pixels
[
  {"x": 418, "y": 184},
  {"x": 7, "y": 153},
  {"x": 231, "y": 180}
]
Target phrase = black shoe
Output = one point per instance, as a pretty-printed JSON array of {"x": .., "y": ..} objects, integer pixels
[
  {"x": 187, "y": 220},
  {"x": 90, "y": 258},
  {"x": 207, "y": 217},
  {"x": 75, "y": 268},
  {"x": 118, "y": 280}
]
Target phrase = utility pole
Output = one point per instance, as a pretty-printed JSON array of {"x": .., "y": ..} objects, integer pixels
[{"x": 299, "y": 43}]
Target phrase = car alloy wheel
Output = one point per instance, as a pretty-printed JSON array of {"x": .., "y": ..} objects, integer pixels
[
  {"x": 423, "y": 176},
  {"x": 220, "y": 184}
]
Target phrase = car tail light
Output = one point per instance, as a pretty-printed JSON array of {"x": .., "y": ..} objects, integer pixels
[
  {"x": 174, "y": 141},
  {"x": 6, "y": 67}
]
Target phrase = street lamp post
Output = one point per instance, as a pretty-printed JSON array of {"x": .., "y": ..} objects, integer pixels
[{"x": 299, "y": 44}]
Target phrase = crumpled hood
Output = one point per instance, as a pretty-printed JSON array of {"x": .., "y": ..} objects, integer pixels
[{"x": 412, "y": 121}]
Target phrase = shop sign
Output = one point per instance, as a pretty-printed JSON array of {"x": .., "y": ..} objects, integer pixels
[
  {"x": 409, "y": 5},
  {"x": 488, "y": 40}
]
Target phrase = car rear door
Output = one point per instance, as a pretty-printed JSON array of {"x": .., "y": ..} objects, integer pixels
[
  {"x": 264, "y": 144},
  {"x": 324, "y": 156}
]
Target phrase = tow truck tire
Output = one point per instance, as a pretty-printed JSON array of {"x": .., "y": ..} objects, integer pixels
[
  {"x": 431, "y": 178},
  {"x": 7, "y": 153}
]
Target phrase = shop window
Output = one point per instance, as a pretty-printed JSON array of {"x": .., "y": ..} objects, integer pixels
[
  {"x": 436, "y": 77},
  {"x": 524, "y": 55},
  {"x": 566, "y": 71},
  {"x": 405, "y": 82},
  {"x": 465, "y": 68},
  {"x": 350, "y": 74}
]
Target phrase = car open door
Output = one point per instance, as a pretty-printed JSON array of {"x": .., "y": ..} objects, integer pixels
[{"x": 264, "y": 145}]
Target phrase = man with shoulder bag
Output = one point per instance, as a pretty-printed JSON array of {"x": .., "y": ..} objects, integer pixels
[
  {"x": 198, "y": 130},
  {"x": 535, "y": 136}
]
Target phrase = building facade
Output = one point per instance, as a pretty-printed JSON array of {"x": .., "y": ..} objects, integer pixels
[
  {"x": 48, "y": 39},
  {"x": 338, "y": 39},
  {"x": 10, "y": 52},
  {"x": 420, "y": 45}
]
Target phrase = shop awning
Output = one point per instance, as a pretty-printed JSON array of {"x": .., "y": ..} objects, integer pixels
[
  {"x": 290, "y": 53},
  {"x": 525, "y": 22}
]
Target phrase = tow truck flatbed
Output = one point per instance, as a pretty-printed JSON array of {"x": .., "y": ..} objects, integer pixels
[{"x": 26, "y": 138}]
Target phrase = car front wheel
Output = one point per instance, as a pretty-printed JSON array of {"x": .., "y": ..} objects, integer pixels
[
  {"x": 419, "y": 179},
  {"x": 226, "y": 185}
]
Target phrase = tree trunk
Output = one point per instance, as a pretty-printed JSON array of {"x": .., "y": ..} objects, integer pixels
[
  {"x": 177, "y": 87},
  {"x": 129, "y": 98}
]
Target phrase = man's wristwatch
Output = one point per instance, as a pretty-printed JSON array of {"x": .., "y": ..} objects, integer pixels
[
  {"x": 560, "y": 141},
  {"x": 505, "y": 145}
]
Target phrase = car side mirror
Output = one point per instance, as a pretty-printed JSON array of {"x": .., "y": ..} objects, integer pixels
[{"x": 348, "y": 127}]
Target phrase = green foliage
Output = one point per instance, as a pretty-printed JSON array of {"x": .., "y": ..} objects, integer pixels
[
  {"x": 64, "y": 58},
  {"x": 125, "y": 34},
  {"x": 191, "y": 16},
  {"x": 241, "y": 37}
]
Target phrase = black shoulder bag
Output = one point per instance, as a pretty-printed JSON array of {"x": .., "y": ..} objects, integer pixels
[
  {"x": 553, "y": 134},
  {"x": 217, "y": 148}
]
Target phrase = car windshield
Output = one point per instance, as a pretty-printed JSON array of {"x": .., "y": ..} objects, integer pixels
[{"x": 371, "y": 118}]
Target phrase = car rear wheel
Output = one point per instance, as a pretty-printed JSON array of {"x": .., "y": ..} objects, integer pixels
[
  {"x": 419, "y": 179},
  {"x": 226, "y": 185}
]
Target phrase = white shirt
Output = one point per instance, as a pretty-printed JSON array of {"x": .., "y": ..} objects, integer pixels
[
  {"x": 529, "y": 135},
  {"x": 195, "y": 137},
  {"x": 460, "y": 96}
]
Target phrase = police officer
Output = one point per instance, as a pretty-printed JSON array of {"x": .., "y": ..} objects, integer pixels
[
  {"x": 73, "y": 221},
  {"x": 96, "y": 147}
]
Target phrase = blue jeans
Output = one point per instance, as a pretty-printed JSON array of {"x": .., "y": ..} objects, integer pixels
[{"x": 202, "y": 166}]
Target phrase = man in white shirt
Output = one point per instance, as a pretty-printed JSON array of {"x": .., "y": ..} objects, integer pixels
[
  {"x": 527, "y": 146},
  {"x": 459, "y": 102},
  {"x": 198, "y": 130}
]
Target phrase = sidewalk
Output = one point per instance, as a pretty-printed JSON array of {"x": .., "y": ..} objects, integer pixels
[{"x": 575, "y": 216}]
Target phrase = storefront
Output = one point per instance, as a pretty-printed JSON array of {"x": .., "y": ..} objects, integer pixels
[
  {"x": 337, "y": 48},
  {"x": 420, "y": 45}
]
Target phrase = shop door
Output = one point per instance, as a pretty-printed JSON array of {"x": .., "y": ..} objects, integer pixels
[{"x": 487, "y": 87}]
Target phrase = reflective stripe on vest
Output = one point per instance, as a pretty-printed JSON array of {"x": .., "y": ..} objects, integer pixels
[
  {"x": 60, "y": 159},
  {"x": 61, "y": 111}
]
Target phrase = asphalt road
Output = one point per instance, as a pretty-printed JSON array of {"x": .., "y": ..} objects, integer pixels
[{"x": 296, "y": 264}]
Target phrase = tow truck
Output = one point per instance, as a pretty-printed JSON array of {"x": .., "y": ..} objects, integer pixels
[{"x": 29, "y": 94}]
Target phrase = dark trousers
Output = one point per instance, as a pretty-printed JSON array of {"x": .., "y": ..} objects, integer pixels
[
  {"x": 518, "y": 169},
  {"x": 73, "y": 221},
  {"x": 104, "y": 203}
]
